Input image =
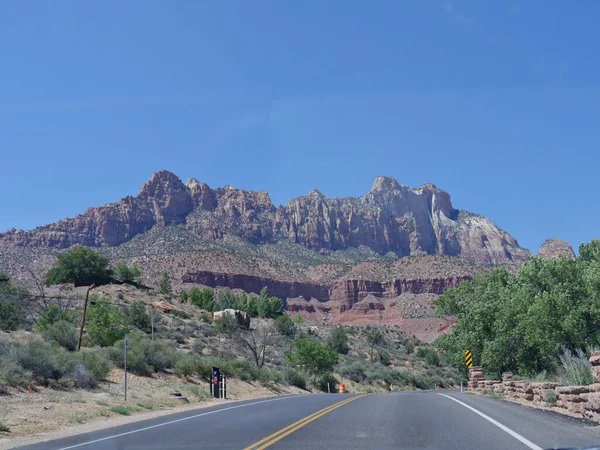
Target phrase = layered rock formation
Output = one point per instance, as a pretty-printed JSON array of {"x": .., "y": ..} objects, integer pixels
[
  {"x": 555, "y": 248},
  {"x": 389, "y": 218}
]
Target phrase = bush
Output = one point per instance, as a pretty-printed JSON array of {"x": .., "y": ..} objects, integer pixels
[
  {"x": 123, "y": 272},
  {"x": 12, "y": 374},
  {"x": 12, "y": 304},
  {"x": 432, "y": 358},
  {"x": 164, "y": 285},
  {"x": 83, "y": 377},
  {"x": 138, "y": 317},
  {"x": 202, "y": 298},
  {"x": 409, "y": 347},
  {"x": 96, "y": 362},
  {"x": 144, "y": 356},
  {"x": 314, "y": 357},
  {"x": 40, "y": 358},
  {"x": 226, "y": 324},
  {"x": 285, "y": 326},
  {"x": 384, "y": 357},
  {"x": 183, "y": 297},
  {"x": 226, "y": 299},
  {"x": 123, "y": 410},
  {"x": 327, "y": 378},
  {"x": 186, "y": 366},
  {"x": 574, "y": 369},
  {"x": 63, "y": 333},
  {"x": 354, "y": 370},
  {"x": 338, "y": 340},
  {"x": 50, "y": 315},
  {"x": 105, "y": 324},
  {"x": 297, "y": 379},
  {"x": 550, "y": 397}
]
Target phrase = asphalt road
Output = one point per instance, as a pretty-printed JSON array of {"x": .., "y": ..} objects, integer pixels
[{"x": 411, "y": 420}]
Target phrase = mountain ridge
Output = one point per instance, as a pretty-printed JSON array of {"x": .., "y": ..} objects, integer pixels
[{"x": 391, "y": 217}]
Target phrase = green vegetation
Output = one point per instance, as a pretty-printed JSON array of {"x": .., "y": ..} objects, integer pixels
[
  {"x": 137, "y": 316},
  {"x": 338, "y": 340},
  {"x": 520, "y": 321},
  {"x": 183, "y": 296},
  {"x": 315, "y": 358},
  {"x": 574, "y": 369},
  {"x": 550, "y": 397},
  {"x": 144, "y": 356},
  {"x": 164, "y": 285},
  {"x": 123, "y": 272},
  {"x": 202, "y": 298},
  {"x": 63, "y": 333},
  {"x": 52, "y": 314},
  {"x": 81, "y": 266},
  {"x": 285, "y": 326},
  {"x": 13, "y": 299},
  {"x": 105, "y": 323},
  {"x": 123, "y": 410}
]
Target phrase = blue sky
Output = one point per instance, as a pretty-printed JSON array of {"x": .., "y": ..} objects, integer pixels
[{"x": 498, "y": 103}]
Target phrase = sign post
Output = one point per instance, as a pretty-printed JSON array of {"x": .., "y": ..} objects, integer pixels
[{"x": 126, "y": 341}]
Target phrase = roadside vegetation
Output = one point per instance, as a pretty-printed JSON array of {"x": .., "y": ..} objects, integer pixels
[{"x": 542, "y": 318}]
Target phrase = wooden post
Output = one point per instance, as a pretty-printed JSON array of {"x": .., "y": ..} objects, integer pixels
[{"x": 87, "y": 295}]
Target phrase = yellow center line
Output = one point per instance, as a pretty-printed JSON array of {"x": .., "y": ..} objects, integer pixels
[{"x": 280, "y": 434}]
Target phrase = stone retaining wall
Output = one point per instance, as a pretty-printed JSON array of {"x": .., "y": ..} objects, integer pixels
[{"x": 574, "y": 401}]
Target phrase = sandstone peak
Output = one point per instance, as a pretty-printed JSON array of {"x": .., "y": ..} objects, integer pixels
[
  {"x": 161, "y": 182},
  {"x": 554, "y": 248},
  {"x": 386, "y": 183}
]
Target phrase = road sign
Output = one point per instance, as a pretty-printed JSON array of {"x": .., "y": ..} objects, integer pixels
[{"x": 468, "y": 359}]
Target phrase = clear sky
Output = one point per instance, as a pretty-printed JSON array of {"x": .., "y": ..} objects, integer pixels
[{"x": 497, "y": 103}]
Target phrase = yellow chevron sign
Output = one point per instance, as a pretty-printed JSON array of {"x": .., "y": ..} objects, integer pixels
[{"x": 468, "y": 359}]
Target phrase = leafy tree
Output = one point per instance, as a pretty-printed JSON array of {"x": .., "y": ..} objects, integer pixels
[
  {"x": 285, "y": 326},
  {"x": 13, "y": 301},
  {"x": 520, "y": 321},
  {"x": 52, "y": 314},
  {"x": 338, "y": 340},
  {"x": 252, "y": 307},
  {"x": 183, "y": 296},
  {"x": 316, "y": 358},
  {"x": 138, "y": 317},
  {"x": 226, "y": 299},
  {"x": 164, "y": 285},
  {"x": 105, "y": 324},
  {"x": 374, "y": 337},
  {"x": 81, "y": 266},
  {"x": 202, "y": 298},
  {"x": 275, "y": 308},
  {"x": 242, "y": 302},
  {"x": 123, "y": 272}
]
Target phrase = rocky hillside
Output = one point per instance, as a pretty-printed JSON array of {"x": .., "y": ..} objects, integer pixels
[
  {"x": 554, "y": 248},
  {"x": 389, "y": 218}
]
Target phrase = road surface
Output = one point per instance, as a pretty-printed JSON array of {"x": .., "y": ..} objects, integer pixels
[{"x": 411, "y": 420}]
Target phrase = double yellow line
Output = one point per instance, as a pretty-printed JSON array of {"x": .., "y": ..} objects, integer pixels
[{"x": 279, "y": 435}]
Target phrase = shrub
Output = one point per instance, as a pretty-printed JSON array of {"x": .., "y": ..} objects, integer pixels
[
  {"x": 105, "y": 324},
  {"x": 432, "y": 358},
  {"x": 12, "y": 374},
  {"x": 354, "y": 370},
  {"x": 63, "y": 333},
  {"x": 550, "y": 397},
  {"x": 226, "y": 324},
  {"x": 181, "y": 314},
  {"x": 314, "y": 357},
  {"x": 186, "y": 366},
  {"x": 574, "y": 369},
  {"x": 202, "y": 298},
  {"x": 96, "y": 362},
  {"x": 384, "y": 357},
  {"x": 123, "y": 410},
  {"x": 83, "y": 378},
  {"x": 183, "y": 297},
  {"x": 285, "y": 326},
  {"x": 40, "y": 359},
  {"x": 226, "y": 299},
  {"x": 123, "y": 272},
  {"x": 409, "y": 347},
  {"x": 338, "y": 340},
  {"x": 144, "y": 356},
  {"x": 12, "y": 304},
  {"x": 50, "y": 315},
  {"x": 327, "y": 378},
  {"x": 297, "y": 379},
  {"x": 164, "y": 285},
  {"x": 138, "y": 317}
]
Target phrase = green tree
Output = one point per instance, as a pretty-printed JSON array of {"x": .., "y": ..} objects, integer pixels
[
  {"x": 314, "y": 357},
  {"x": 338, "y": 340},
  {"x": 299, "y": 319},
  {"x": 203, "y": 299},
  {"x": 242, "y": 302},
  {"x": 52, "y": 314},
  {"x": 285, "y": 326},
  {"x": 81, "y": 266},
  {"x": 183, "y": 296},
  {"x": 13, "y": 301},
  {"x": 275, "y": 308},
  {"x": 123, "y": 272},
  {"x": 138, "y": 317},
  {"x": 226, "y": 299},
  {"x": 164, "y": 285},
  {"x": 253, "y": 307},
  {"x": 374, "y": 337},
  {"x": 105, "y": 324}
]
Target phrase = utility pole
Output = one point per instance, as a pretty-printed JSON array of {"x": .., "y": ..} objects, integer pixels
[
  {"x": 87, "y": 295},
  {"x": 152, "y": 320},
  {"x": 126, "y": 342}
]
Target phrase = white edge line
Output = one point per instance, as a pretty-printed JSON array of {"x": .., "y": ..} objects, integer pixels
[
  {"x": 171, "y": 422},
  {"x": 514, "y": 434}
]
